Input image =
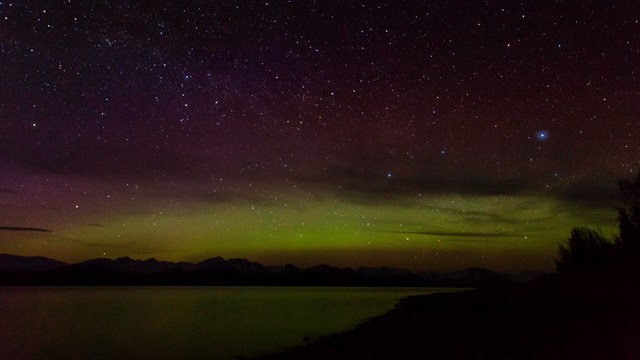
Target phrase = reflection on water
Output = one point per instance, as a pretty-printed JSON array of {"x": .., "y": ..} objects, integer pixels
[{"x": 178, "y": 322}]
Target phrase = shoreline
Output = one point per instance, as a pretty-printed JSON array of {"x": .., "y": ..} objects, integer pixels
[{"x": 584, "y": 315}]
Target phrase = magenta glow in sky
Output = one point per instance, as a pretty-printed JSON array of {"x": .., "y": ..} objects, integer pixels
[{"x": 310, "y": 132}]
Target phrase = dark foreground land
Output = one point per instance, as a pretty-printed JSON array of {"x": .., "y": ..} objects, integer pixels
[{"x": 590, "y": 314}]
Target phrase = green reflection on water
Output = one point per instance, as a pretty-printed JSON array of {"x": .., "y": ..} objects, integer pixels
[{"x": 178, "y": 322}]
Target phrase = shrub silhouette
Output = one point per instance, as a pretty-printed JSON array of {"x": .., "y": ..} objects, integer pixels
[{"x": 588, "y": 247}]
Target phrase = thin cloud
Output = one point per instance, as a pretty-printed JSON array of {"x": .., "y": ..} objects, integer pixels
[
  {"x": 456, "y": 234},
  {"x": 18, "y": 228}
]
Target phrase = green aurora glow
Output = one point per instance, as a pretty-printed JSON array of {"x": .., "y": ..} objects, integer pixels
[{"x": 308, "y": 226}]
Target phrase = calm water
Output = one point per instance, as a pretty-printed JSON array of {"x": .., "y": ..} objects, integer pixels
[{"x": 178, "y": 322}]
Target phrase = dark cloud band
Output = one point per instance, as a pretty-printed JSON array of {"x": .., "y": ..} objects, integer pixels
[{"x": 18, "y": 228}]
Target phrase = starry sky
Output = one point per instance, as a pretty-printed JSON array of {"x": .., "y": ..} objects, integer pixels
[{"x": 429, "y": 135}]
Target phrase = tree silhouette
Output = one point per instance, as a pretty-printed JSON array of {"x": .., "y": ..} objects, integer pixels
[
  {"x": 588, "y": 247},
  {"x": 628, "y": 241}
]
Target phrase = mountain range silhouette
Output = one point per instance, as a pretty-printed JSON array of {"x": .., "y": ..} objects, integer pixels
[{"x": 20, "y": 270}]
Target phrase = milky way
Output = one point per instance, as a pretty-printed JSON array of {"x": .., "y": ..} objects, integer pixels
[{"x": 421, "y": 134}]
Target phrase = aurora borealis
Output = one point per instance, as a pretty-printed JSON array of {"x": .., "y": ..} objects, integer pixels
[{"x": 430, "y": 135}]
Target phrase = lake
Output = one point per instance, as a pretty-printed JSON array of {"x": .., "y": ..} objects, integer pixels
[{"x": 179, "y": 322}]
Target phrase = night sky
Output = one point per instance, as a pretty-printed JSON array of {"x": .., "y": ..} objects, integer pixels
[{"x": 430, "y": 135}]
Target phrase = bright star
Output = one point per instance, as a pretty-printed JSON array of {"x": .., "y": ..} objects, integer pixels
[{"x": 542, "y": 135}]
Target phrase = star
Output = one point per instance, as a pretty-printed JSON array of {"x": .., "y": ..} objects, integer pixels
[{"x": 542, "y": 135}]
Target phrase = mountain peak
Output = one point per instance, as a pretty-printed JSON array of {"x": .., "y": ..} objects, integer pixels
[
  {"x": 30, "y": 264},
  {"x": 237, "y": 271}
]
